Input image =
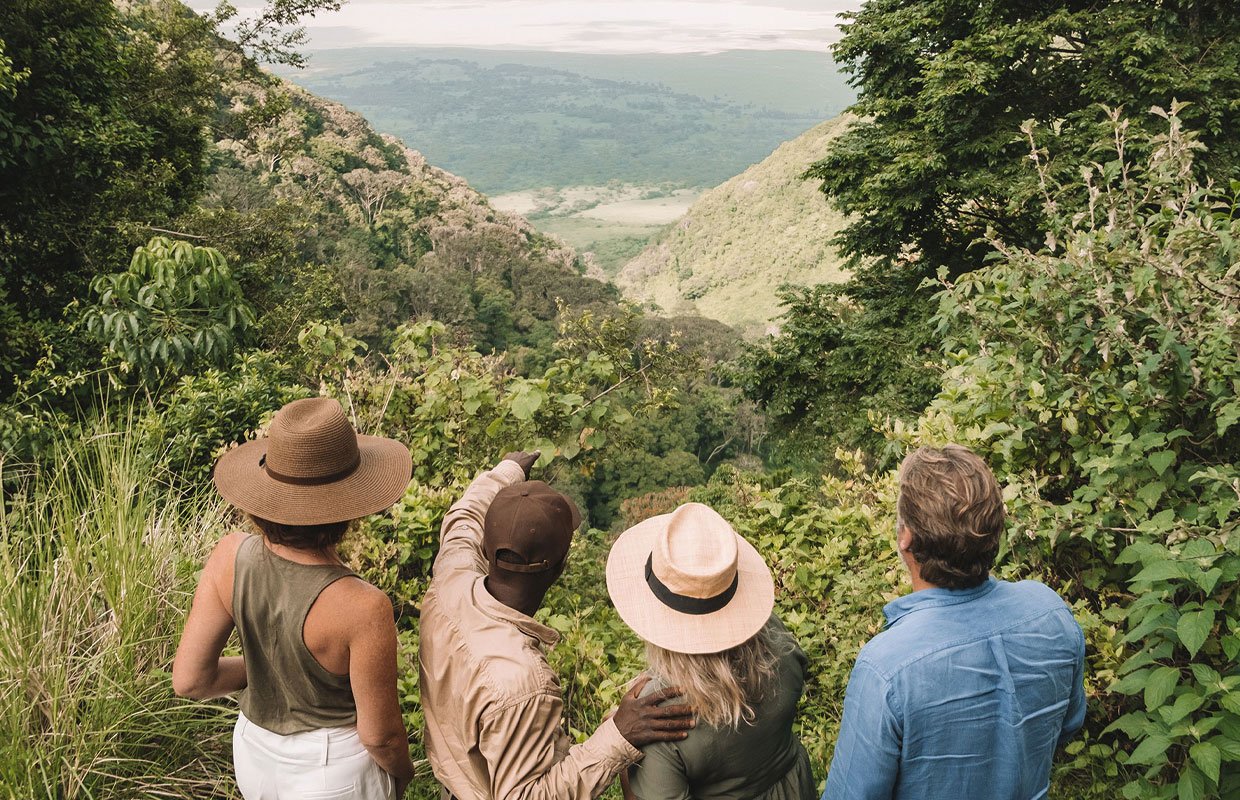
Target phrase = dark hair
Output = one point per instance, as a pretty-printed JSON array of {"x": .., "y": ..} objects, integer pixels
[
  {"x": 303, "y": 537},
  {"x": 952, "y": 504}
]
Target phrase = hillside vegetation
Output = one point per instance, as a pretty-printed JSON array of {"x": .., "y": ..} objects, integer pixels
[
  {"x": 374, "y": 234},
  {"x": 509, "y": 127},
  {"x": 744, "y": 239},
  {"x": 186, "y": 244}
]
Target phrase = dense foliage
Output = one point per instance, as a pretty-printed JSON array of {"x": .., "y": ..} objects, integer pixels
[
  {"x": 935, "y": 159},
  {"x": 1099, "y": 375},
  {"x": 101, "y": 113},
  {"x": 1094, "y": 365}
]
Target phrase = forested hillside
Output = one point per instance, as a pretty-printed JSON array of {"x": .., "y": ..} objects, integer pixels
[
  {"x": 511, "y": 126},
  {"x": 740, "y": 242},
  {"x": 1043, "y": 267}
]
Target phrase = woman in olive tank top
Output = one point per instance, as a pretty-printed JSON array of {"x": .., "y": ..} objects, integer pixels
[{"x": 316, "y": 681}]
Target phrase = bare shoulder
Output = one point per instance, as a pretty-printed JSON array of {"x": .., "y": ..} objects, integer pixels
[
  {"x": 359, "y": 603},
  {"x": 225, "y": 550},
  {"x": 218, "y": 571}
]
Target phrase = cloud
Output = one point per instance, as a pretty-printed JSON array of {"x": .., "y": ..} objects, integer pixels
[{"x": 595, "y": 26}]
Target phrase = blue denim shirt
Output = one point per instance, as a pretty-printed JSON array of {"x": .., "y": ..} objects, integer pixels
[{"x": 963, "y": 696}]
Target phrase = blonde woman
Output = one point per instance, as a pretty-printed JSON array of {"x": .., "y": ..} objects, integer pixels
[
  {"x": 701, "y": 598},
  {"x": 319, "y": 714}
]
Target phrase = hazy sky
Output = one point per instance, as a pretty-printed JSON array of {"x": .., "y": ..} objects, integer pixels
[{"x": 599, "y": 26}]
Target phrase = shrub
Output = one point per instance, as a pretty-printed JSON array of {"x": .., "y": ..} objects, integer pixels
[
  {"x": 1099, "y": 377},
  {"x": 176, "y": 307},
  {"x": 201, "y": 414},
  {"x": 664, "y": 501}
]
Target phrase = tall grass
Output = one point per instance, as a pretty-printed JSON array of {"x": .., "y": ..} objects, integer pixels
[{"x": 98, "y": 559}]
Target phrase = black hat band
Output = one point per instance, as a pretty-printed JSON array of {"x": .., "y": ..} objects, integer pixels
[
  {"x": 317, "y": 480},
  {"x": 683, "y": 603}
]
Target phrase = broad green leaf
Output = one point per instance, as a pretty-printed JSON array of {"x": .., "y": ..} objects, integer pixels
[
  {"x": 1184, "y": 705},
  {"x": 570, "y": 448},
  {"x": 1227, "y": 746},
  {"x": 1209, "y": 579},
  {"x": 1159, "y": 571},
  {"x": 1150, "y": 493},
  {"x": 1194, "y": 628},
  {"x": 1192, "y": 784},
  {"x": 1150, "y": 749},
  {"x": 525, "y": 402},
  {"x": 1161, "y": 460},
  {"x": 1207, "y": 757},
  {"x": 1205, "y": 675},
  {"x": 1133, "y": 724},
  {"x": 1161, "y": 684},
  {"x": 1132, "y": 683}
]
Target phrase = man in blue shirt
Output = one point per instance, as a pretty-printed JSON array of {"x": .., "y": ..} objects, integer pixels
[{"x": 974, "y": 682}]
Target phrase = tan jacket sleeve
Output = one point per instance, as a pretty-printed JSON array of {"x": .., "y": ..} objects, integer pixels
[
  {"x": 460, "y": 543},
  {"x": 523, "y": 745}
]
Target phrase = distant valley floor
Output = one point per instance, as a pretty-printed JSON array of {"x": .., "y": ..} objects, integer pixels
[{"x": 612, "y": 223}]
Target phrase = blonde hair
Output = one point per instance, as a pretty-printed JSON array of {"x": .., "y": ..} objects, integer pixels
[{"x": 724, "y": 687}]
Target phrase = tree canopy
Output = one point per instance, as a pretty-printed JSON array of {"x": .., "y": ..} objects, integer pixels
[{"x": 936, "y": 158}]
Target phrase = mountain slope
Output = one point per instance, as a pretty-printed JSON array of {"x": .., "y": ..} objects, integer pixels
[
  {"x": 743, "y": 239},
  {"x": 328, "y": 219},
  {"x": 511, "y": 127}
]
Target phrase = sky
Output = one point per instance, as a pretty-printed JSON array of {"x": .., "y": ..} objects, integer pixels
[{"x": 590, "y": 26}]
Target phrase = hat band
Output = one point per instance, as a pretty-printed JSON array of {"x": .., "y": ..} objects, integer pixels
[
  {"x": 683, "y": 603},
  {"x": 517, "y": 566},
  {"x": 317, "y": 480}
]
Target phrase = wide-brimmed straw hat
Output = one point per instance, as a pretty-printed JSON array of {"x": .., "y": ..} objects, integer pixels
[
  {"x": 313, "y": 468},
  {"x": 687, "y": 582}
]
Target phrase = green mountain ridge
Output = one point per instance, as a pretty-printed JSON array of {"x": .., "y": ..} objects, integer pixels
[
  {"x": 742, "y": 240},
  {"x": 509, "y": 126}
]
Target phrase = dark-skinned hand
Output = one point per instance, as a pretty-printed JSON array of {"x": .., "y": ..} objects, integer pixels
[
  {"x": 524, "y": 459},
  {"x": 643, "y": 721}
]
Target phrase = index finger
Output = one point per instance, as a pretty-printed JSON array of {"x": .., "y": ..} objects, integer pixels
[
  {"x": 654, "y": 698},
  {"x": 671, "y": 712}
]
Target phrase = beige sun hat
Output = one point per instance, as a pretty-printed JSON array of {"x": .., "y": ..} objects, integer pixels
[
  {"x": 313, "y": 468},
  {"x": 689, "y": 583}
]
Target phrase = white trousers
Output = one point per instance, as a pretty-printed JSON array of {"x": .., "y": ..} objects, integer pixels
[{"x": 324, "y": 764}]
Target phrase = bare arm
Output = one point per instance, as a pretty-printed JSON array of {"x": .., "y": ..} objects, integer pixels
[
  {"x": 372, "y": 674},
  {"x": 199, "y": 671}
]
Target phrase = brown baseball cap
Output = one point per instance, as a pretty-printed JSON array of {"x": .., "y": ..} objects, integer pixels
[{"x": 528, "y": 527}]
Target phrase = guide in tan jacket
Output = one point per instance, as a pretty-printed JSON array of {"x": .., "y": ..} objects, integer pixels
[{"x": 493, "y": 706}]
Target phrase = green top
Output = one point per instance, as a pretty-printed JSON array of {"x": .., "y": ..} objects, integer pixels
[
  {"x": 288, "y": 691},
  {"x": 762, "y": 761}
]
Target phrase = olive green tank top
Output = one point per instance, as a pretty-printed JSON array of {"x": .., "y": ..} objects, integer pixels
[{"x": 287, "y": 690}]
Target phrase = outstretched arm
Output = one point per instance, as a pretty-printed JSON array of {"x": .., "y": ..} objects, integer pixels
[
  {"x": 199, "y": 671},
  {"x": 460, "y": 544}
]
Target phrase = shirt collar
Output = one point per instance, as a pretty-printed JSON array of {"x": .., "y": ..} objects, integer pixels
[
  {"x": 501, "y": 613},
  {"x": 932, "y": 598}
]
